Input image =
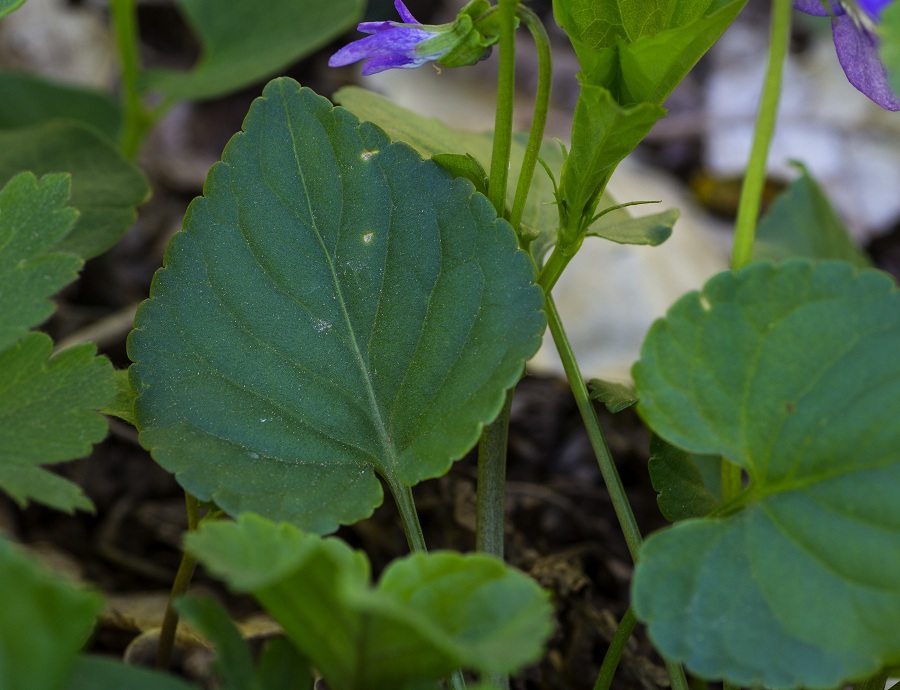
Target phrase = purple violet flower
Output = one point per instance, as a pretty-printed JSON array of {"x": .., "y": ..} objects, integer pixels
[
  {"x": 409, "y": 44},
  {"x": 853, "y": 26}
]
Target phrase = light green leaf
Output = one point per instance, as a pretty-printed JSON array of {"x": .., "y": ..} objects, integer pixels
[
  {"x": 122, "y": 405},
  {"x": 233, "y": 663},
  {"x": 39, "y": 393},
  {"x": 791, "y": 373},
  {"x": 242, "y": 45},
  {"x": 334, "y": 306},
  {"x": 106, "y": 188},
  {"x": 282, "y": 667},
  {"x": 431, "y": 137},
  {"x": 802, "y": 223},
  {"x": 650, "y": 230},
  {"x": 34, "y": 221},
  {"x": 44, "y": 621},
  {"x": 616, "y": 396},
  {"x": 29, "y": 100},
  {"x": 889, "y": 47},
  {"x": 642, "y": 61},
  {"x": 688, "y": 485},
  {"x": 7, "y": 6},
  {"x": 104, "y": 673},
  {"x": 428, "y": 615},
  {"x": 602, "y": 23},
  {"x": 603, "y": 133}
]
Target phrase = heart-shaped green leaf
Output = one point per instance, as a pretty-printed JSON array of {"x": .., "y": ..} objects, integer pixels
[
  {"x": 428, "y": 614},
  {"x": 334, "y": 306},
  {"x": 790, "y": 372},
  {"x": 106, "y": 188},
  {"x": 801, "y": 222},
  {"x": 44, "y": 621},
  {"x": 30, "y": 100},
  {"x": 244, "y": 43}
]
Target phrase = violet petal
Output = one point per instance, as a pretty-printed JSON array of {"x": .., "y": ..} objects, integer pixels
[
  {"x": 816, "y": 8},
  {"x": 857, "y": 52},
  {"x": 874, "y": 7}
]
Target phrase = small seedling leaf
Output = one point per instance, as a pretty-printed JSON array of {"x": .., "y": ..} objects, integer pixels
[
  {"x": 790, "y": 372},
  {"x": 688, "y": 485},
  {"x": 335, "y": 306},
  {"x": 616, "y": 396},
  {"x": 428, "y": 614},
  {"x": 650, "y": 230}
]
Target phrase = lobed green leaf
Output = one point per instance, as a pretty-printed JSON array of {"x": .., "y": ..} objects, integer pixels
[{"x": 790, "y": 372}]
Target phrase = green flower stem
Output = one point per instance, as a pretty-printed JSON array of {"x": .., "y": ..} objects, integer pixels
[
  {"x": 506, "y": 86},
  {"x": 179, "y": 587},
  {"x": 611, "y": 478},
  {"x": 614, "y": 653},
  {"x": 541, "y": 108},
  {"x": 406, "y": 505},
  {"x": 554, "y": 267},
  {"x": 137, "y": 122},
  {"x": 876, "y": 682},
  {"x": 755, "y": 177}
]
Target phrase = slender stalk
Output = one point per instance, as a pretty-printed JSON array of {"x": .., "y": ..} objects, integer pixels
[
  {"x": 489, "y": 502},
  {"x": 755, "y": 177},
  {"x": 876, "y": 682},
  {"x": 556, "y": 263},
  {"x": 179, "y": 586},
  {"x": 541, "y": 107},
  {"x": 614, "y": 653},
  {"x": 124, "y": 17},
  {"x": 611, "y": 478},
  {"x": 506, "y": 86}
]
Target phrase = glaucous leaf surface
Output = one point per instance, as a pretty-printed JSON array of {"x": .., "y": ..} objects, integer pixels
[
  {"x": 603, "y": 133},
  {"x": 432, "y": 137},
  {"x": 246, "y": 43},
  {"x": 44, "y": 621},
  {"x": 334, "y": 306},
  {"x": 29, "y": 100},
  {"x": 641, "y": 56},
  {"x": 104, "y": 673},
  {"x": 34, "y": 220},
  {"x": 801, "y": 222},
  {"x": 689, "y": 485},
  {"x": 428, "y": 615},
  {"x": 7, "y": 6},
  {"x": 106, "y": 188},
  {"x": 889, "y": 32},
  {"x": 791, "y": 372}
]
